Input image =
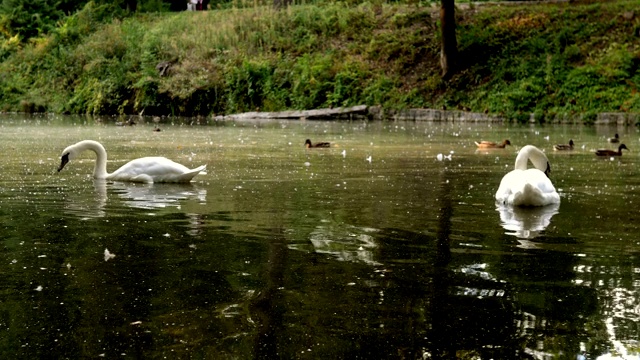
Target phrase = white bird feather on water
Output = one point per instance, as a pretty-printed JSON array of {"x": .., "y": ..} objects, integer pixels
[{"x": 107, "y": 255}]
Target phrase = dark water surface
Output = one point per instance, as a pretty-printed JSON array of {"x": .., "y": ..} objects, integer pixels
[{"x": 283, "y": 252}]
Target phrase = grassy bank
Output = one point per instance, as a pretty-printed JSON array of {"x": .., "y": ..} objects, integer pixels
[{"x": 546, "y": 59}]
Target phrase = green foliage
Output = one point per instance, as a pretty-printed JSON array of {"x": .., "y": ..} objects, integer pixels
[
  {"x": 28, "y": 18},
  {"x": 516, "y": 60},
  {"x": 247, "y": 85}
]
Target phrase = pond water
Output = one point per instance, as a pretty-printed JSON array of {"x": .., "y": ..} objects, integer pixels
[{"x": 374, "y": 248}]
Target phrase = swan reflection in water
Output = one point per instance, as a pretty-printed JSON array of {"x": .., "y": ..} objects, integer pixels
[
  {"x": 77, "y": 203},
  {"x": 163, "y": 196},
  {"x": 168, "y": 197},
  {"x": 526, "y": 222},
  {"x": 156, "y": 196}
]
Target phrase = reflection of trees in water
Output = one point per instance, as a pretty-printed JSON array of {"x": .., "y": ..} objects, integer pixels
[
  {"x": 492, "y": 304},
  {"x": 392, "y": 292},
  {"x": 345, "y": 242},
  {"x": 363, "y": 293},
  {"x": 267, "y": 305},
  {"x": 470, "y": 313},
  {"x": 563, "y": 293},
  {"x": 617, "y": 286}
]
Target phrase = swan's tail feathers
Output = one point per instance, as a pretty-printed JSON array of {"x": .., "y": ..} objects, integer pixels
[
  {"x": 529, "y": 195},
  {"x": 187, "y": 176}
]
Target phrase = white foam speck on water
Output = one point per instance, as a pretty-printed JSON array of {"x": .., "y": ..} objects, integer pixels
[{"x": 107, "y": 255}]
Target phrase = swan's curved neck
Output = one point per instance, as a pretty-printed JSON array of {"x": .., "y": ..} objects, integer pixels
[
  {"x": 536, "y": 156},
  {"x": 100, "y": 169}
]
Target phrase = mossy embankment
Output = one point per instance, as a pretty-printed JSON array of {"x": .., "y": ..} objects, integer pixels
[{"x": 547, "y": 59}]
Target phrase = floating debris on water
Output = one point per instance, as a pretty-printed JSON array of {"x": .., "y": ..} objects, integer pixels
[{"x": 107, "y": 255}]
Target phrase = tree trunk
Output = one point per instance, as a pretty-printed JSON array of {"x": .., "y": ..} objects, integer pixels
[
  {"x": 449, "y": 45},
  {"x": 131, "y": 5},
  {"x": 281, "y": 4}
]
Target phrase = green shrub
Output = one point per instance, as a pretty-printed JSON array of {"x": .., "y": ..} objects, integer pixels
[{"x": 589, "y": 117}]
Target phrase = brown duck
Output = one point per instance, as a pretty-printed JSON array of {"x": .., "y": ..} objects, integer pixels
[
  {"x": 561, "y": 147},
  {"x": 492, "y": 145},
  {"x": 607, "y": 152},
  {"x": 308, "y": 144}
]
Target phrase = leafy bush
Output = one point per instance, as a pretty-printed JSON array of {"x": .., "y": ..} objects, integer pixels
[{"x": 28, "y": 18}]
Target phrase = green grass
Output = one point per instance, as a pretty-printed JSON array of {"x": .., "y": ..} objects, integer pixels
[{"x": 547, "y": 59}]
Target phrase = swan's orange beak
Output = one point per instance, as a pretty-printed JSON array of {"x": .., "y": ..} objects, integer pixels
[{"x": 63, "y": 161}]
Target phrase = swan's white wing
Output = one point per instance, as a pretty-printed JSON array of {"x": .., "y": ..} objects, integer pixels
[
  {"x": 180, "y": 178},
  {"x": 154, "y": 169},
  {"x": 529, "y": 187}
]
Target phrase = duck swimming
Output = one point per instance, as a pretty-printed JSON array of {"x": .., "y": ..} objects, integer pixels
[
  {"x": 615, "y": 139},
  {"x": 607, "y": 152},
  {"x": 144, "y": 170},
  {"x": 561, "y": 147},
  {"x": 492, "y": 145},
  {"x": 528, "y": 187},
  {"x": 308, "y": 144}
]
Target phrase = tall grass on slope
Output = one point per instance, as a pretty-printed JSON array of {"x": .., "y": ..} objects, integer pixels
[
  {"x": 551, "y": 60},
  {"x": 229, "y": 61}
]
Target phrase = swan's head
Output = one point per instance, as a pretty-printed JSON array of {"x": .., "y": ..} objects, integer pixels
[
  {"x": 67, "y": 155},
  {"x": 548, "y": 169}
]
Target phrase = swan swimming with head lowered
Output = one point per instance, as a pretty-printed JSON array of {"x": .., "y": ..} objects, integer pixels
[
  {"x": 144, "y": 170},
  {"x": 528, "y": 187}
]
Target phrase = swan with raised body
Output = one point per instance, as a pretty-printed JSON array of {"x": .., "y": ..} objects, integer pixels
[
  {"x": 528, "y": 187},
  {"x": 144, "y": 170}
]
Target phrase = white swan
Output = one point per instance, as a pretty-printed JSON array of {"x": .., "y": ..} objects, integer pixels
[
  {"x": 144, "y": 170},
  {"x": 528, "y": 187}
]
